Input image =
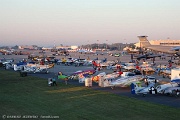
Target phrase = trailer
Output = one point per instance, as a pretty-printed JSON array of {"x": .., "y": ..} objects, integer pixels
[{"x": 175, "y": 73}]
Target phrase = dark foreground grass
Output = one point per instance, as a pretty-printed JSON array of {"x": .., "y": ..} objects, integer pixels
[{"x": 23, "y": 96}]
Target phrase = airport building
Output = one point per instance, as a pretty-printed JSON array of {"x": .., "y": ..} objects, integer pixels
[
  {"x": 27, "y": 47},
  {"x": 162, "y": 42},
  {"x": 67, "y": 47}
]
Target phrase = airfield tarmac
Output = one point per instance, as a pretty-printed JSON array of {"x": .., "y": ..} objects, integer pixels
[{"x": 157, "y": 99}]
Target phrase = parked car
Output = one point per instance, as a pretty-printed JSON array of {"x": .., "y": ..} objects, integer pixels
[
  {"x": 116, "y": 55},
  {"x": 151, "y": 79}
]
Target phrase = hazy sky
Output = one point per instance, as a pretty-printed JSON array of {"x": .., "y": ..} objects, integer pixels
[{"x": 77, "y": 22}]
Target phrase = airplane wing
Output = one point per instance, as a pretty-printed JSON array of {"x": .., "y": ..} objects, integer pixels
[
  {"x": 62, "y": 77},
  {"x": 176, "y": 48}
]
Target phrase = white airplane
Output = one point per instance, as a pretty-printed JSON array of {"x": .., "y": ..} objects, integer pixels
[
  {"x": 113, "y": 80},
  {"x": 126, "y": 79},
  {"x": 129, "y": 66},
  {"x": 172, "y": 90},
  {"x": 7, "y": 63},
  {"x": 161, "y": 88},
  {"x": 33, "y": 68},
  {"x": 166, "y": 49},
  {"x": 142, "y": 90},
  {"x": 86, "y": 51},
  {"x": 81, "y": 50},
  {"x": 101, "y": 77}
]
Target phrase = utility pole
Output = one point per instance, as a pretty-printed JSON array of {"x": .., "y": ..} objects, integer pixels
[
  {"x": 106, "y": 44},
  {"x": 98, "y": 44}
]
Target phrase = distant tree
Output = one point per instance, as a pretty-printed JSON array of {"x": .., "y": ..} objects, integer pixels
[
  {"x": 114, "y": 48},
  {"x": 133, "y": 46},
  {"x": 34, "y": 45},
  {"x": 4, "y": 47},
  {"x": 94, "y": 46},
  {"x": 15, "y": 47}
]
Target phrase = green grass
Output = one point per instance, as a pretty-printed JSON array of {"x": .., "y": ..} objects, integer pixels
[{"x": 31, "y": 96}]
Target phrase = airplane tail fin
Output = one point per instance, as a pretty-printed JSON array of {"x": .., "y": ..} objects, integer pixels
[
  {"x": 144, "y": 41},
  {"x": 134, "y": 87}
]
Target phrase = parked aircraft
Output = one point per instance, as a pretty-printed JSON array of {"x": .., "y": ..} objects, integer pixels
[
  {"x": 36, "y": 69},
  {"x": 176, "y": 81},
  {"x": 176, "y": 48},
  {"x": 85, "y": 73},
  {"x": 170, "y": 88},
  {"x": 85, "y": 51},
  {"x": 7, "y": 65},
  {"x": 147, "y": 56},
  {"x": 136, "y": 89},
  {"x": 105, "y": 76},
  {"x": 172, "y": 91},
  {"x": 126, "y": 79},
  {"x": 32, "y": 68},
  {"x": 161, "y": 88},
  {"x": 134, "y": 51},
  {"x": 159, "y": 48}
]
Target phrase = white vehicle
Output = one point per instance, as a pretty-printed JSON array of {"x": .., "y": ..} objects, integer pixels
[
  {"x": 79, "y": 62},
  {"x": 127, "y": 74},
  {"x": 151, "y": 79},
  {"x": 175, "y": 73},
  {"x": 129, "y": 66}
]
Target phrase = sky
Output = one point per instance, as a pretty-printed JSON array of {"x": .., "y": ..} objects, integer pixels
[{"x": 78, "y": 22}]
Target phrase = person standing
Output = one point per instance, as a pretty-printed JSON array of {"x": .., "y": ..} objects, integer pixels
[
  {"x": 54, "y": 81},
  {"x": 144, "y": 73},
  {"x": 146, "y": 82}
]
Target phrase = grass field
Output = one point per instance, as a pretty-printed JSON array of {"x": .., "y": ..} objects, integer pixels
[{"x": 23, "y": 96}]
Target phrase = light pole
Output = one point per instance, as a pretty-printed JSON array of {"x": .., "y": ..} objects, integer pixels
[
  {"x": 106, "y": 44},
  {"x": 54, "y": 45},
  {"x": 88, "y": 45},
  {"x": 98, "y": 44}
]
